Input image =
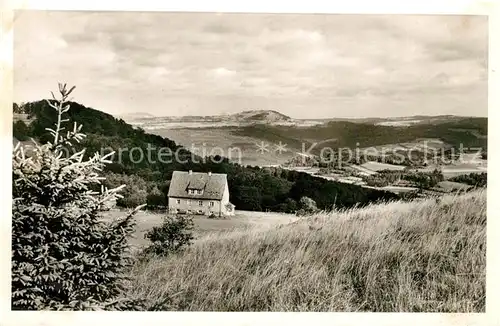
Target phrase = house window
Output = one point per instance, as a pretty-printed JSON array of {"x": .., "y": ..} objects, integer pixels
[
  {"x": 212, "y": 204},
  {"x": 200, "y": 202},
  {"x": 195, "y": 191},
  {"x": 178, "y": 201}
]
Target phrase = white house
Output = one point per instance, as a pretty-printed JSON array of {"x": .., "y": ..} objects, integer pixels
[{"x": 199, "y": 193}]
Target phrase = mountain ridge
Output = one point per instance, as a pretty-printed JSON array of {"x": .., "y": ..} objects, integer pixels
[
  {"x": 276, "y": 117},
  {"x": 261, "y": 115}
]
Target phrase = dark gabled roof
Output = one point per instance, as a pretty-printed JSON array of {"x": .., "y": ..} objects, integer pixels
[{"x": 213, "y": 185}]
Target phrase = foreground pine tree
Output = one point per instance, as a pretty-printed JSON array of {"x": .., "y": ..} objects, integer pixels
[{"x": 64, "y": 255}]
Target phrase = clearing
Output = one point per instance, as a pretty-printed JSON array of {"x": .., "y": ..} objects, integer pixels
[
  {"x": 377, "y": 166},
  {"x": 203, "y": 225}
]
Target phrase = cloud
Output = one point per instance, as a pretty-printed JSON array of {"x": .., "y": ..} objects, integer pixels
[
  {"x": 223, "y": 72},
  {"x": 324, "y": 65}
]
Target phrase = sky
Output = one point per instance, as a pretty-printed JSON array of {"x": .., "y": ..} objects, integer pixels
[{"x": 303, "y": 65}]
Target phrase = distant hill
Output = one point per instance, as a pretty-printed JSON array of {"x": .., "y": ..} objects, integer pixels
[
  {"x": 399, "y": 121},
  {"x": 136, "y": 115},
  {"x": 260, "y": 116},
  {"x": 248, "y": 117}
]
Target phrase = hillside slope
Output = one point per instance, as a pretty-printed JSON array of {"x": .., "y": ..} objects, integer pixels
[{"x": 418, "y": 256}]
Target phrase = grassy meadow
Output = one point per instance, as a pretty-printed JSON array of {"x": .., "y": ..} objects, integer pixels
[
  {"x": 203, "y": 226},
  {"x": 416, "y": 256}
]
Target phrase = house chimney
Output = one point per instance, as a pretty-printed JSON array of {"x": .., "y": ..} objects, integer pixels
[
  {"x": 190, "y": 171},
  {"x": 209, "y": 173}
]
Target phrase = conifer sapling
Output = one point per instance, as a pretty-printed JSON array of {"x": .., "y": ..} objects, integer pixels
[{"x": 65, "y": 255}]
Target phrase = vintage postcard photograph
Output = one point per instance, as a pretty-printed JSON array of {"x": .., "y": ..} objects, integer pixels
[{"x": 249, "y": 162}]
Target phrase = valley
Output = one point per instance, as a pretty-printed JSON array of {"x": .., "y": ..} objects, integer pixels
[{"x": 343, "y": 150}]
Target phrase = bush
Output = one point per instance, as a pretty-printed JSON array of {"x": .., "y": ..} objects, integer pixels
[
  {"x": 422, "y": 180},
  {"x": 20, "y": 130},
  {"x": 307, "y": 206},
  {"x": 173, "y": 235},
  {"x": 138, "y": 197},
  {"x": 156, "y": 199},
  {"x": 472, "y": 179},
  {"x": 134, "y": 194},
  {"x": 289, "y": 206},
  {"x": 64, "y": 255},
  {"x": 16, "y": 108}
]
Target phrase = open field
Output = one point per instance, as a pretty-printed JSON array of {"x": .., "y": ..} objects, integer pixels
[
  {"x": 240, "y": 149},
  {"x": 203, "y": 225},
  {"x": 401, "y": 123},
  {"x": 415, "y": 256},
  {"x": 377, "y": 166},
  {"x": 398, "y": 189},
  {"x": 362, "y": 170},
  {"x": 450, "y": 171}
]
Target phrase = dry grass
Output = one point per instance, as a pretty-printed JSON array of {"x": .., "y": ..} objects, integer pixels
[{"x": 419, "y": 256}]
